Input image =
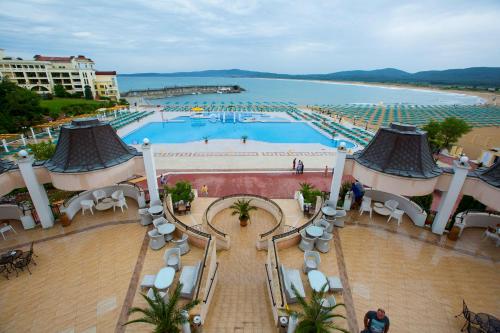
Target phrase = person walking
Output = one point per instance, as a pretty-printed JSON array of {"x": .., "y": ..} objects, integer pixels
[
  {"x": 326, "y": 171},
  {"x": 204, "y": 190},
  {"x": 297, "y": 169},
  {"x": 293, "y": 163},
  {"x": 376, "y": 322}
]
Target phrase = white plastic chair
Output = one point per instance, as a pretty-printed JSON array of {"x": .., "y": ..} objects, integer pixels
[
  {"x": 323, "y": 243},
  {"x": 172, "y": 258},
  {"x": 116, "y": 195},
  {"x": 146, "y": 218},
  {"x": 87, "y": 205},
  {"x": 311, "y": 261},
  {"x": 306, "y": 244},
  {"x": 391, "y": 204},
  {"x": 366, "y": 206},
  {"x": 162, "y": 294},
  {"x": 121, "y": 202},
  {"x": 491, "y": 235},
  {"x": 328, "y": 226},
  {"x": 6, "y": 227},
  {"x": 159, "y": 221},
  {"x": 156, "y": 240},
  {"x": 340, "y": 218},
  {"x": 99, "y": 195},
  {"x": 182, "y": 244},
  {"x": 148, "y": 281},
  {"x": 396, "y": 214}
]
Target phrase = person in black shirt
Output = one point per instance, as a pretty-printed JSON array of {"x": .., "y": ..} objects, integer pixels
[{"x": 376, "y": 322}]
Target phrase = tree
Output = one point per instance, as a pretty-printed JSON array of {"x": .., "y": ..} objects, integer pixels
[
  {"x": 446, "y": 133},
  {"x": 88, "y": 92},
  {"x": 59, "y": 91},
  {"x": 452, "y": 129},
  {"x": 316, "y": 317},
  {"x": 43, "y": 150},
  {"x": 18, "y": 107},
  {"x": 165, "y": 316}
]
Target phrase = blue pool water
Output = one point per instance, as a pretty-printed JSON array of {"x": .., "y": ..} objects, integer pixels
[{"x": 189, "y": 130}]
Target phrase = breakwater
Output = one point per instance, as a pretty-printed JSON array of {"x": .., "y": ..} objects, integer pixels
[{"x": 182, "y": 91}]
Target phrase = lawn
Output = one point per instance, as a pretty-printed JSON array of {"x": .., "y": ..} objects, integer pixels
[{"x": 55, "y": 105}]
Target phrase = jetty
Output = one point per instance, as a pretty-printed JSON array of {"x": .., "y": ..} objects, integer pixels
[{"x": 182, "y": 90}]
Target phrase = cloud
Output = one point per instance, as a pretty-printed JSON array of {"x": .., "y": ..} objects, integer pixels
[{"x": 273, "y": 35}]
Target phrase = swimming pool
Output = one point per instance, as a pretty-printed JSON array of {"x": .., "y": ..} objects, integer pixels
[{"x": 190, "y": 130}]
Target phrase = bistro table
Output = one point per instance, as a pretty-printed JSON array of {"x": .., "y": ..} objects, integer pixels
[
  {"x": 105, "y": 204},
  {"x": 164, "y": 278},
  {"x": 488, "y": 322},
  {"x": 166, "y": 229},
  {"x": 314, "y": 231},
  {"x": 317, "y": 280},
  {"x": 329, "y": 212},
  {"x": 155, "y": 210}
]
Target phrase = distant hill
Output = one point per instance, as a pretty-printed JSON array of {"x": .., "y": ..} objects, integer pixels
[{"x": 474, "y": 76}]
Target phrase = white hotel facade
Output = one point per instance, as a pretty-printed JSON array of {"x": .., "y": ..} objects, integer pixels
[{"x": 74, "y": 73}]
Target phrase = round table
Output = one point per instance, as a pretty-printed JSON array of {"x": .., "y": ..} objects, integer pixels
[
  {"x": 314, "y": 231},
  {"x": 329, "y": 211},
  {"x": 164, "y": 278},
  {"x": 317, "y": 280},
  {"x": 166, "y": 229},
  {"x": 105, "y": 204},
  {"x": 155, "y": 210}
]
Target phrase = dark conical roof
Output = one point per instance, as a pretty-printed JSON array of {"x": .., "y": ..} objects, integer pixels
[
  {"x": 87, "y": 145},
  {"x": 5, "y": 165},
  {"x": 400, "y": 150},
  {"x": 490, "y": 175}
]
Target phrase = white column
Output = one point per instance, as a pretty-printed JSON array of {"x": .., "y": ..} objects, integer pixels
[
  {"x": 23, "y": 139},
  {"x": 460, "y": 168},
  {"x": 4, "y": 143},
  {"x": 33, "y": 135},
  {"x": 338, "y": 171},
  {"x": 36, "y": 190},
  {"x": 48, "y": 132},
  {"x": 149, "y": 167}
]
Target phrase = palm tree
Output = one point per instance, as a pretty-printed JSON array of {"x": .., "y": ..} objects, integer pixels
[
  {"x": 242, "y": 208},
  {"x": 315, "y": 316},
  {"x": 165, "y": 316}
]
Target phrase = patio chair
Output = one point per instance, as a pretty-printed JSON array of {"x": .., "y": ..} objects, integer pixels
[
  {"x": 23, "y": 262},
  {"x": 6, "y": 227},
  {"x": 98, "y": 195},
  {"x": 328, "y": 226},
  {"x": 5, "y": 271},
  {"x": 366, "y": 206},
  {"x": 396, "y": 214},
  {"x": 148, "y": 281},
  {"x": 146, "y": 218},
  {"x": 335, "y": 283},
  {"x": 87, "y": 205},
  {"x": 159, "y": 221},
  {"x": 121, "y": 202},
  {"x": 311, "y": 261},
  {"x": 391, "y": 204},
  {"x": 116, "y": 195},
  {"x": 182, "y": 244},
  {"x": 162, "y": 294},
  {"x": 306, "y": 244},
  {"x": 323, "y": 243},
  {"x": 340, "y": 218},
  {"x": 156, "y": 240},
  {"x": 491, "y": 235},
  {"x": 172, "y": 258},
  {"x": 469, "y": 316}
]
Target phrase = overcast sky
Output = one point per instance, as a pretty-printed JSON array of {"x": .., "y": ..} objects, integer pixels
[{"x": 270, "y": 35}]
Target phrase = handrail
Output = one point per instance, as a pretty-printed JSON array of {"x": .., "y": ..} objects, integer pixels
[
  {"x": 187, "y": 227},
  {"x": 203, "y": 268},
  {"x": 299, "y": 229},
  {"x": 211, "y": 282},
  {"x": 68, "y": 199},
  {"x": 467, "y": 211},
  {"x": 127, "y": 182},
  {"x": 278, "y": 272},
  {"x": 221, "y": 233},
  {"x": 269, "y": 283}
]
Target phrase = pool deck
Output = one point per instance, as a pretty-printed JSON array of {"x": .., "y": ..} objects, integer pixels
[{"x": 234, "y": 154}]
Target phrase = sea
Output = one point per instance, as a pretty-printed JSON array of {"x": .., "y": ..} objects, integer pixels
[{"x": 301, "y": 92}]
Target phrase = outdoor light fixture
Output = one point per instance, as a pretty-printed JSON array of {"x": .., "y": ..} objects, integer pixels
[
  {"x": 145, "y": 141},
  {"x": 23, "y": 153},
  {"x": 341, "y": 145},
  {"x": 463, "y": 160}
]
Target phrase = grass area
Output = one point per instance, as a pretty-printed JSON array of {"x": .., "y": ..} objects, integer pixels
[{"x": 55, "y": 105}]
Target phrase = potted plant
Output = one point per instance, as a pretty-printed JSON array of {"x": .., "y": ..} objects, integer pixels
[
  {"x": 165, "y": 316},
  {"x": 181, "y": 191},
  {"x": 242, "y": 208},
  {"x": 244, "y": 138},
  {"x": 309, "y": 192},
  {"x": 316, "y": 316},
  {"x": 205, "y": 138}
]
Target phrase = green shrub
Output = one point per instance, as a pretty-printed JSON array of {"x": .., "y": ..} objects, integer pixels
[
  {"x": 43, "y": 150},
  {"x": 424, "y": 201},
  {"x": 182, "y": 190},
  {"x": 309, "y": 192}
]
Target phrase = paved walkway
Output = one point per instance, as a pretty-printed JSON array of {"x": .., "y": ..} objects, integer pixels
[{"x": 272, "y": 185}]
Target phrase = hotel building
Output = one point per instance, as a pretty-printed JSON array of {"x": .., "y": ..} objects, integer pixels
[{"x": 74, "y": 73}]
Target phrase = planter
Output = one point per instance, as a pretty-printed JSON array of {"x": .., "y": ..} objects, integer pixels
[
  {"x": 64, "y": 219},
  {"x": 453, "y": 234},
  {"x": 244, "y": 222}
]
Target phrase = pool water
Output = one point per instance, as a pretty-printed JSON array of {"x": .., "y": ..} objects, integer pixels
[{"x": 190, "y": 130}]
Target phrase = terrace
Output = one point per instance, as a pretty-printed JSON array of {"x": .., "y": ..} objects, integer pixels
[{"x": 88, "y": 274}]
